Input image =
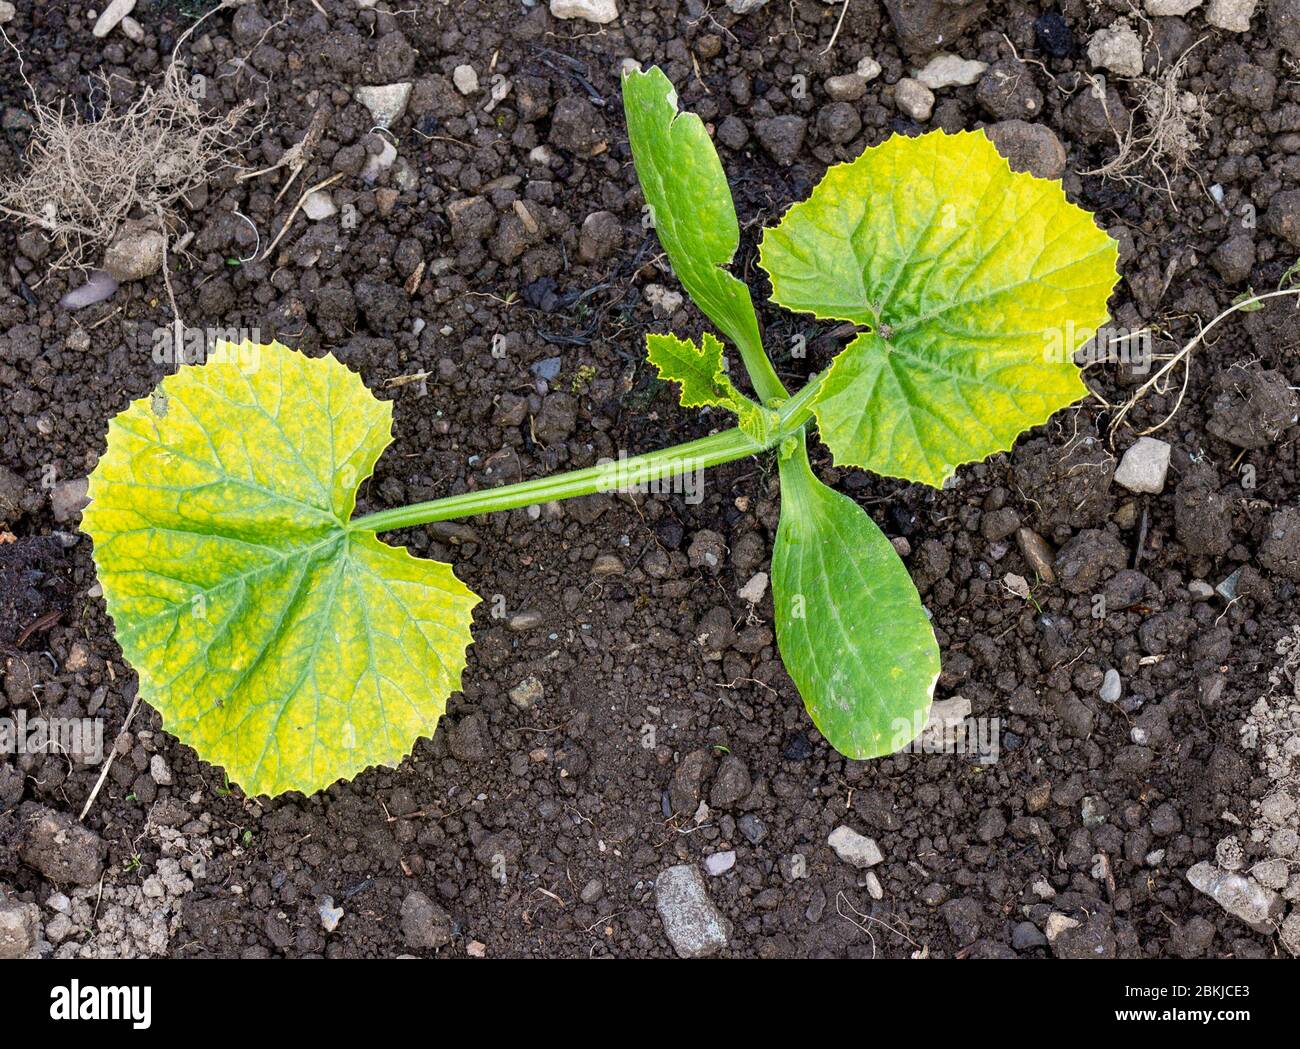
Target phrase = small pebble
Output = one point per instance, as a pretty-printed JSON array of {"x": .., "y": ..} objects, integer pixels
[
  {"x": 914, "y": 99},
  {"x": 330, "y": 916},
  {"x": 719, "y": 862},
  {"x": 754, "y": 590},
  {"x": 854, "y": 848},
  {"x": 159, "y": 771},
  {"x": 465, "y": 79}
]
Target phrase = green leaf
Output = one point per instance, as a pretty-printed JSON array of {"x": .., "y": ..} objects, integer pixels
[
  {"x": 701, "y": 372},
  {"x": 698, "y": 370},
  {"x": 273, "y": 639},
  {"x": 693, "y": 213},
  {"x": 852, "y": 632},
  {"x": 978, "y": 284}
]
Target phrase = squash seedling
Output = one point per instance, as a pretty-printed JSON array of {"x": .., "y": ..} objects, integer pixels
[{"x": 283, "y": 641}]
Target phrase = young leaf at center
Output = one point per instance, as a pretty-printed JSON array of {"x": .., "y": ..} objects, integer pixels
[
  {"x": 693, "y": 214},
  {"x": 701, "y": 373},
  {"x": 273, "y": 638}
]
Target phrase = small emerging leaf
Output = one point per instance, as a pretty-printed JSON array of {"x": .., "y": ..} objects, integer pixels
[
  {"x": 853, "y": 634},
  {"x": 698, "y": 370},
  {"x": 701, "y": 372},
  {"x": 272, "y": 638},
  {"x": 977, "y": 283}
]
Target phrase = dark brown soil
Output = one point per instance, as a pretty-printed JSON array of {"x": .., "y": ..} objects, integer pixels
[{"x": 1094, "y": 810}]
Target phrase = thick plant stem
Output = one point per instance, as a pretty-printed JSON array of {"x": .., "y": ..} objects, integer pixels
[
  {"x": 619, "y": 475},
  {"x": 767, "y": 384}
]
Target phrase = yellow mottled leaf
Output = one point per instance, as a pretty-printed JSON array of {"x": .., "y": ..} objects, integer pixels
[
  {"x": 273, "y": 638},
  {"x": 977, "y": 284}
]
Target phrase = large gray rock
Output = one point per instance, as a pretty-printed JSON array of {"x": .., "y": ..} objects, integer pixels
[
  {"x": 1029, "y": 147},
  {"x": 1232, "y": 15},
  {"x": 13, "y": 489},
  {"x": 694, "y": 926},
  {"x": 20, "y": 929},
  {"x": 387, "y": 102},
  {"x": 60, "y": 847},
  {"x": 68, "y": 498},
  {"x": 425, "y": 925},
  {"x": 1242, "y": 897},
  {"x": 854, "y": 848},
  {"x": 136, "y": 252},
  {"x": 1144, "y": 467}
]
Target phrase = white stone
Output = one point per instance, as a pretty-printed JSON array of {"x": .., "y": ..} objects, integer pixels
[
  {"x": 914, "y": 99},
  {"x": 132, "y": 30},
  {"x": 754, "y": 590},
  {"x": 848, "y": 87},
  {"x": 1240, "y": 896},
  {"x": 465, "y": 79},
  {"x": 948, "y": 70},
  {"x": 1144, "y": 466},
  {"x": 378, "y": 163},
  {"x": 1017, "y": 584},
  {"x": 602, "y": 12},
  {"x": 744, "y": 7},
  {"x": 330, "y": 916},
  {"x": 113, "y": 13},
  {"x": 7, "y": 12},
  {"x": 319, "y": 206},
  {"x": 719, "y": 863},
  {"x": 159, "y": 772},
  {"x": 1171, "y": 8},
  {"x": 868, "y": 68},
  {"x": 386, "y": 103},
  {"x": 1112, "y": 686},
  {"x": 1116, "y": 48},
  {"x": 1058, "y": 923},
  {"x": 663, "y": 301},
  {"x": 1232, "y": 15},
  {"x": 854, "y": 848}
]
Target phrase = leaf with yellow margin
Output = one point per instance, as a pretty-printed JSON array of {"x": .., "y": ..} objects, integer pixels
[
  {"x": 977, "y": 284},
  {"x": 273, "y": 638}
]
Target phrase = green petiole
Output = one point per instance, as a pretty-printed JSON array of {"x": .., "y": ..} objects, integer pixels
[{"x": 723, "y": 447}]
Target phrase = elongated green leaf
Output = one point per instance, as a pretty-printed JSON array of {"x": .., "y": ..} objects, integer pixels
[
  {"x": 978, "y": 283},
  {"x": 852, "y": 632},
  {"x": 272, "y": 638},
  {"x": 693, "y": 213}
]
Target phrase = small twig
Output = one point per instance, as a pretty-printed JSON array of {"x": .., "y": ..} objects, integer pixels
[
  {"x": 1181, "y": 356},
  {"x": 108, "y": 762},
  {"x": 838, "y": 25},
  {"x": 305, "y": 194}
]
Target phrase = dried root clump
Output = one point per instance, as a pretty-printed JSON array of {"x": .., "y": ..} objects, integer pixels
[
  {"x": 85, "y": 176},
  {"x": 1166, "y": 131}
]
